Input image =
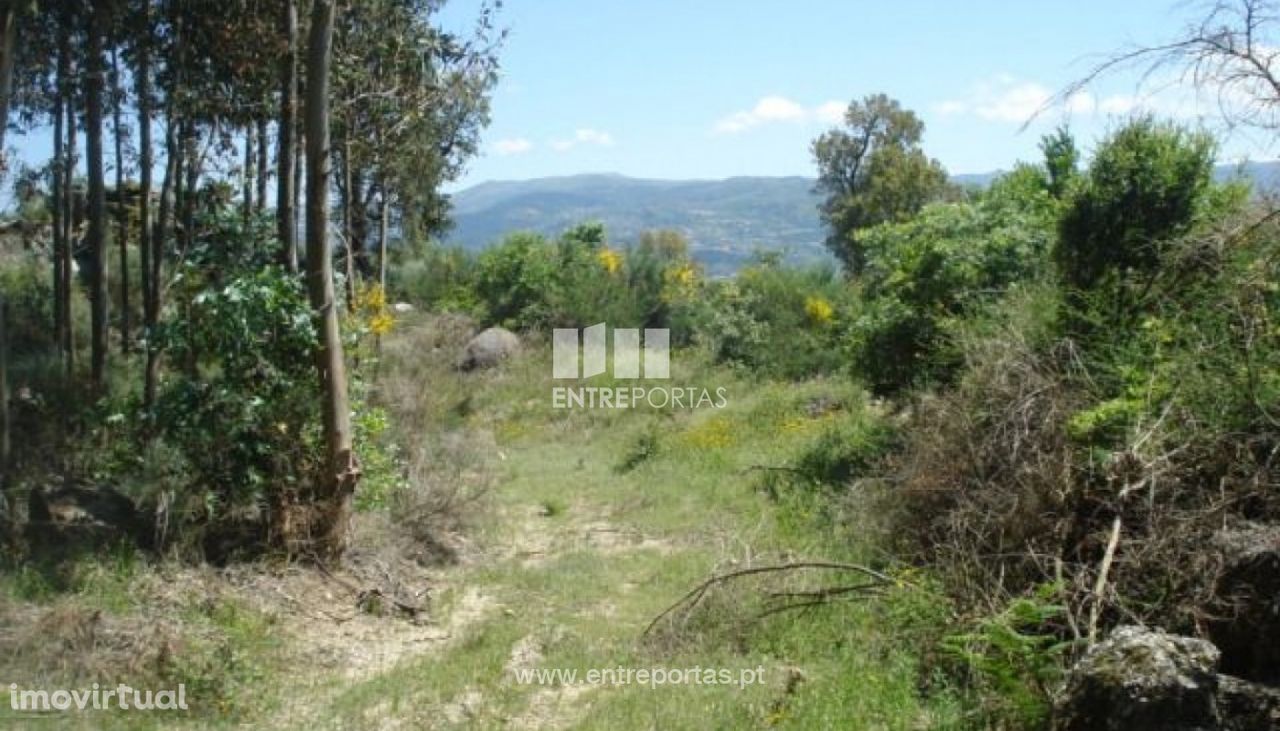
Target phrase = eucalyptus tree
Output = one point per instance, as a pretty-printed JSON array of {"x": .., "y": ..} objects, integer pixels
[
  {"x": 410, "y": 101},
  {"x": 338, "y": 482},
  {"x": 97, "y": 22}
]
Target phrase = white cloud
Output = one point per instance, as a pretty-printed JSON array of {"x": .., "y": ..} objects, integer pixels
[
  {"x": 1004, "y": 98},
  {"x": 512, "y": 146},
  {"x": 1016, "y": 103},
  {"x": 583, "y": 136},
  {"x": 779, "y": 109}
]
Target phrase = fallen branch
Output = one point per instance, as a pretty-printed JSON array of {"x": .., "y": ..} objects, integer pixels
[
  {"x": 1100, "y": 586},
  {"x": 694, "y": 595},
  {"x": 824, "y": 593}
]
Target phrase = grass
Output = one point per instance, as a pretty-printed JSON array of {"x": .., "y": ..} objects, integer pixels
[{"x": 598, "y": 521}]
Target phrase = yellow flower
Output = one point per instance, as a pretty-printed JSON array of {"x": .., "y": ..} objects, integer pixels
[
  {"x": 372, "y": 298},
  {"x": 381, "y": 322},
  {"x": 679, "y": 281},
  {"x": 819, "y": 310},
  {"x": 371, "y": 306},
  {"x": 714, "y": 433},
  {"x": 609, "y": 259},
  {"x": 683, "y": 275}
]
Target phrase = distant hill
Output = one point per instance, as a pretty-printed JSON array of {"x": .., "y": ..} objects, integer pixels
[{"x": 725, "y": 220}]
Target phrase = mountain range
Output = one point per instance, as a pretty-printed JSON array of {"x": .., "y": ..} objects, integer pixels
[{"x": 726, "y": 221}]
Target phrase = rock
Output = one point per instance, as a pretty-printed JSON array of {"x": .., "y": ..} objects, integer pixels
[
  {"x": 402, "y": 307},
  {"x": 488, "y": 349},
  {"x": 1142, "y": 680},
  {"x": 77, "y": 518},
  {"x": 820, "y": 406},
  {"x": 1245, "y": 615},
  {"x": 1246, "y": 706}
]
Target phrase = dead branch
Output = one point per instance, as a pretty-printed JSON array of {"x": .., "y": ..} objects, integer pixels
[
  {"x": 1100, "y": 586},
  {"x": 694, "y": 595}
]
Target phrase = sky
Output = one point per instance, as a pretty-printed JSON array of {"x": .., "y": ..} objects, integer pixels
[{"x": 720, "y": 88}]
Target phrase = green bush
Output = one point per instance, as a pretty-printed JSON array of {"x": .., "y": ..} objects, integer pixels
[
  {"x": 850, "y": 448},
  {"x": 925, "y": 275},
  {"x": 531, "y": 282},
  {"x": 779, "y": 321},
  {"x": 1016, "y": 658},
  {"x": 435, "y": 278},
  {"x": 1147, "y": 184},
  {"x": 240, "y": 403}
]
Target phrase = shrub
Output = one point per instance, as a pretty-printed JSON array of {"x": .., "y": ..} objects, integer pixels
[
  {"x": 436, "y": 278},
  {"x": 1146, "y": 185},
  {"x": 847, "y": 449},
  {"x": 580, "y": 279},
  {"x": 1159, "y": 435},
  {"x": 924, "y": 276},
  {"x": 1016, "y": 658},
  {"x": 514, "y": 280},
  {"x": 240, "y": 403},
  {"x": 778, "y": 321}
]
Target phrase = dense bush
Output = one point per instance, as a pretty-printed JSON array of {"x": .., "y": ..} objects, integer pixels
[
  {"x": 1160, "y": 435},
  {"x": 923, "y": 276},
  {"x": 530, "y": 282},
  {"x": 434, "y": 277},
  {"x": 777, "y": 320},
  {"x": 240, "y": 404},
  {"x": 1147, "y": 184}
]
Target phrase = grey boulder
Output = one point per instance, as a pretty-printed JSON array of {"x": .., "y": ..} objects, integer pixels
[{"x": 488, "y": 349}]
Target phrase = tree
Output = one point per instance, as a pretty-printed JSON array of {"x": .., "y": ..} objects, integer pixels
[
  {"x": 1060, "y": 160},
  {"x": 95, "y": 71},
  {"x": 122, "y": 210},
  {"x": 873, "y": 171},
  {"x": 1145, "y": 185},
  {"x": 410, "y": 100},
  {"x": 337, "y": 484},
  {"x": 8, "y": 34},
  {"x": 286, "y": 182}
]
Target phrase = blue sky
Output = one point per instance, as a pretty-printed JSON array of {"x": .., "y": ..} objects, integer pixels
[{"x": 716, "y": 88}]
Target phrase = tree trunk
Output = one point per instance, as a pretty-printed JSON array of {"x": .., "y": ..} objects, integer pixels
[
  {"x": 246, "y": 180},
  {"x": 299, "y": 154},
  {"x": 97, "y": 237},
  {"x": 69, "y": 237},
  {"x": 56, "y": 187},
  {"x": 286, "y": 175},
  {"x": 338, "y": 483},
  {"x": 6, "y": 484},
  {"x": 142, "y": 85},
  {"x": 161, "y": 233},
  {"x": 8, "y": 46},
  {"x": 190, "y": 181},
  {"x": 66, "y": 171},
  {"x": 260, "y": 202},
  {"x": 348, "y": 220},
  {"x": 382, "y": 240},
  {"x": 4, "y": 401},
  {"x": 122, "y": 211}
]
